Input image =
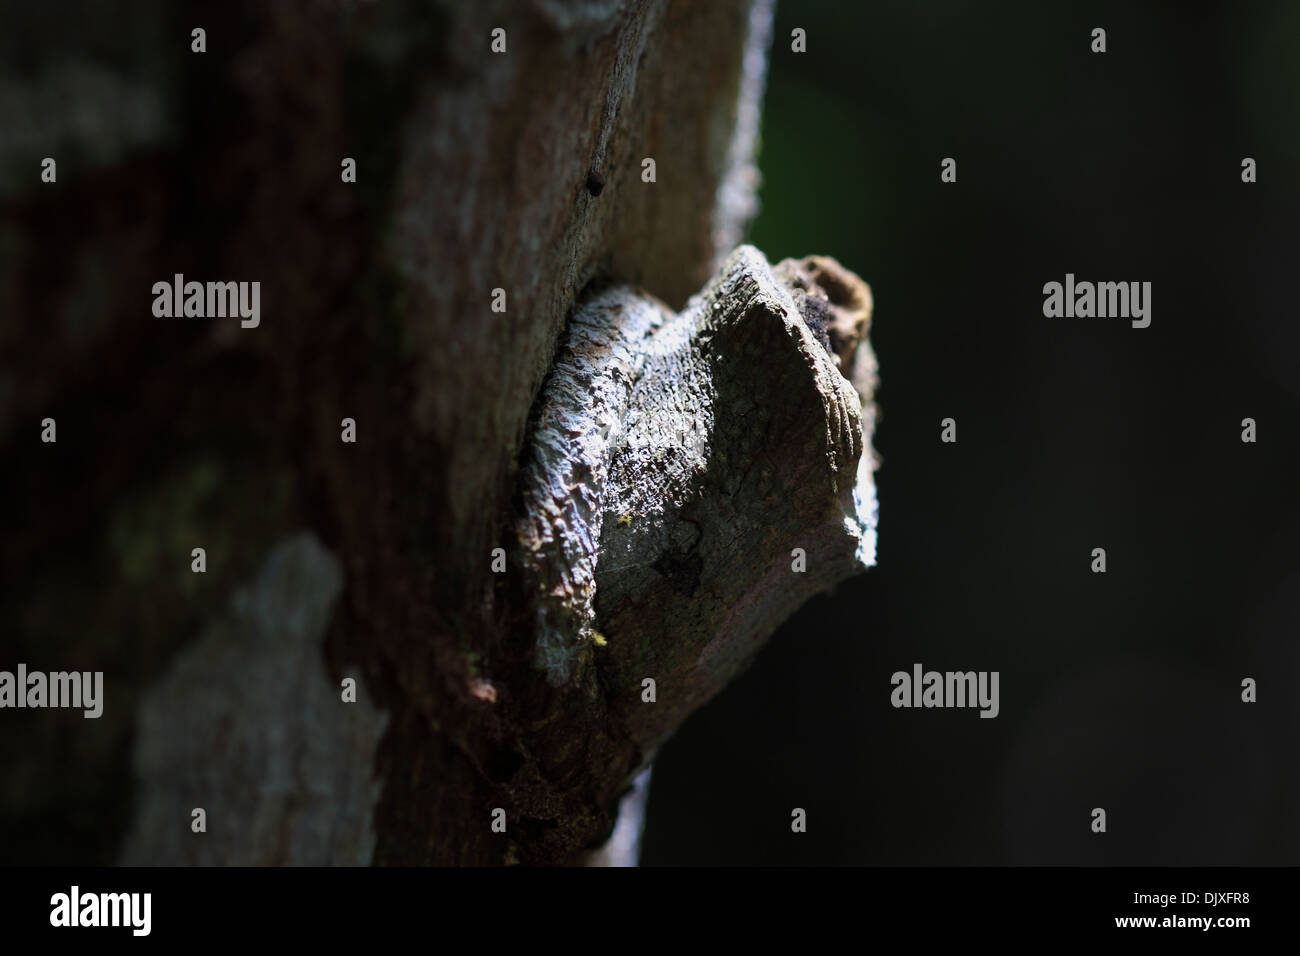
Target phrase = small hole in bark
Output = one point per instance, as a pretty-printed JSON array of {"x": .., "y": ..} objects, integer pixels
[{"x": 595, "y": 183}]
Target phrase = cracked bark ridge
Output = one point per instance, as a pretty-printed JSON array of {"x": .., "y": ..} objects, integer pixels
[{"x": 678, "y": 461}]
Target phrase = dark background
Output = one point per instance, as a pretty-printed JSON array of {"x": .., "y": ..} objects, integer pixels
[{"x": 1119, "y": 690}]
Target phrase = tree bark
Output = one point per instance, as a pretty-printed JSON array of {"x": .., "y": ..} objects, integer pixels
[{"x": 666, "y": 480}]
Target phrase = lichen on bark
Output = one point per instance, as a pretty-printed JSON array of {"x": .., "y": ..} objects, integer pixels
[{"x": 248, "y": 726}]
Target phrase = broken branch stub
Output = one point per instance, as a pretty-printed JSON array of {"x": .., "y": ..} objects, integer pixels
[{"x": 694, "y": 477}]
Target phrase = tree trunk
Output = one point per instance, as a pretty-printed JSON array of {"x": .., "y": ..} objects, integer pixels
[{"x": 576, "y": 502}]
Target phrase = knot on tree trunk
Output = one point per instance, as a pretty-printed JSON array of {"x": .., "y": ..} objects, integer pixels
[{"x": 694, "y": 477}]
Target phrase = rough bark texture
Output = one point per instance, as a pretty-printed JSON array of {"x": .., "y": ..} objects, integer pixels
[
  {"x": 703, "y": 451},
  {"x": 278, "y": 778},
  {"x": 685, "y": 472}
]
